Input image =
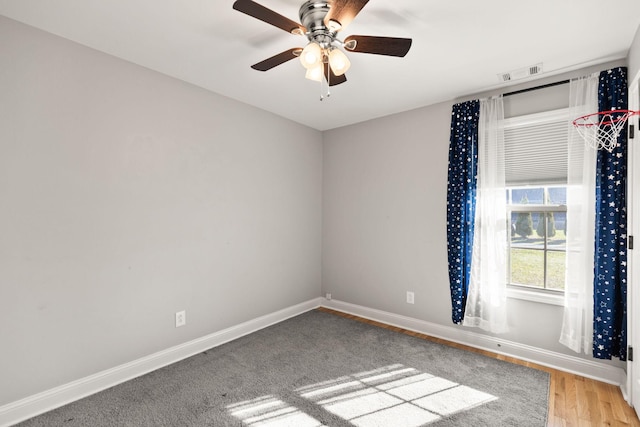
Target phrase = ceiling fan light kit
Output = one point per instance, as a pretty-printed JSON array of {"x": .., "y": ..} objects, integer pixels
[
  {"x": 311, "y": 55},
  {"x": 339, "y": 62},
  {"x": 315, "y": 73},
  {"x": 320, "y": 22}
]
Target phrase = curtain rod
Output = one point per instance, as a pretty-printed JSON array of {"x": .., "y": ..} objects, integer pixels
[{"x": 536, "y": 88}]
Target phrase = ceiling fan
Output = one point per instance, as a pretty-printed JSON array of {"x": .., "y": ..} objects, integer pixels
[{"x": 320, "y": 22}]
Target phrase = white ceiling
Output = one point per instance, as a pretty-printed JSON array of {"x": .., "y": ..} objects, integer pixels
[{"x": 459, "y": 47}]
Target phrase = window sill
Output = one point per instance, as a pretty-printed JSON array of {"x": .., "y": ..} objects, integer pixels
[{"x": 541, "y": 297}]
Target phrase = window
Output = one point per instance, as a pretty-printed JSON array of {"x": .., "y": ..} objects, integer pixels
[
  {"x": 537, "y": 243},
  {"x": 536, "y": 179}
]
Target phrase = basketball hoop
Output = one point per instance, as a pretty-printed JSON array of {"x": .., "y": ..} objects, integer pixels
[{"x": 602, "y": 129}]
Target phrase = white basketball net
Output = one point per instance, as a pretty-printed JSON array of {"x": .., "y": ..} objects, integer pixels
[{"x": 601, "y": 130}]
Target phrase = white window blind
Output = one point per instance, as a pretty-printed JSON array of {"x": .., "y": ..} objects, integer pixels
[{"x": 536, "y": 148}]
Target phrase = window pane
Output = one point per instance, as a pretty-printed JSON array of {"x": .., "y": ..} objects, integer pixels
[
  {"x": 520, "y": 196},
  {"x": 556, "y": 238},
  {"x": 523, "y": 228},
  {"x": 561, "y": 229},
  {"x": 538, "y": 237},
  {"x": 546, "y": 225},
  {"x": 555, "y": 270},
  {"x": 527, "y": 267},
  {"x": 557, "y": 196}
]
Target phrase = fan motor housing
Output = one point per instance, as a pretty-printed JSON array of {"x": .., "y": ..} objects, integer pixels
[{"x": 312, "y": 14}]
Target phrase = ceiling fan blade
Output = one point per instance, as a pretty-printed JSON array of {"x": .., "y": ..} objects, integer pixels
[
  {"x": 267, "y": 15},
  {"x": 332, "y": 78},
  {"x": 278, "y": 59},
  {"x": 343, "y": 11},
  {"x": 391, "y": 46}
]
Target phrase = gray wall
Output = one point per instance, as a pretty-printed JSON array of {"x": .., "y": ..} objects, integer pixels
[
  {"x": 126, "y": 196},
  {"x": 385, "y": 185},
  {"x": 634, "y": 57}
]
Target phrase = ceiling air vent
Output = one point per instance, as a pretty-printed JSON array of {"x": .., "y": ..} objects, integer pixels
[{"x": 520, "y": 73}]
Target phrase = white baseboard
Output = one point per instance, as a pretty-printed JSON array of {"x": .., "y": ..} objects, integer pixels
[
  {"x": 31, "y": 406},
  {"x": 575, "y": 365}
]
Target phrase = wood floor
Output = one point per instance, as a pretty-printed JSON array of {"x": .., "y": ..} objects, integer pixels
[{"x": 573, "y": 400}]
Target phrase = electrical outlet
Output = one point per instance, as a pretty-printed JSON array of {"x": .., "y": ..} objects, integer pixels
[
  {"x": 181, "y": 318},
  {"x": 410, "y": 298},
  {"x": 328, "y": 295}
]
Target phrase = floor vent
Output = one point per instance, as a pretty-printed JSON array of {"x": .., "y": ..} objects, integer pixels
[{"x": 520, "y": 73}]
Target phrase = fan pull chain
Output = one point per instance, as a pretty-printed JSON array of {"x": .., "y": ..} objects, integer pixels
[{"x": 328, "y": 80}]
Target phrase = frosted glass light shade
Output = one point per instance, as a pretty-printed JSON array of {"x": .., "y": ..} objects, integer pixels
[
  {"x": 311, "y": 55},
  {"x": 339, "y": 62},
  {"x": 315, "y": 73}
]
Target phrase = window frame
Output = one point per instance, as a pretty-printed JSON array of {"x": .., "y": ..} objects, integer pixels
[{"x": 519, "y": 291}]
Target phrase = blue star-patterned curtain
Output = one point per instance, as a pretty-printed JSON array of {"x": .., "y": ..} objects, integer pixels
[
  {"x": 610, "y": 278},
  {"x": 461, "y": 195}
]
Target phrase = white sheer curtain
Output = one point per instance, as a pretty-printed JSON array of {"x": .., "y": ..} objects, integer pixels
[
  {"x": 577, "y": 324},
  {"x": 487, "y": 297}
]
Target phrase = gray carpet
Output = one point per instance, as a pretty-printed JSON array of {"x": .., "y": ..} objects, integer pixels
[{"x": 319, "y": 369}]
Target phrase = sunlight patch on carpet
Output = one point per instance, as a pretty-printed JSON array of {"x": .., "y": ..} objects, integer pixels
[
  {"x": 391, "y": 395},
  {"x": 271, "y": 411}
]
